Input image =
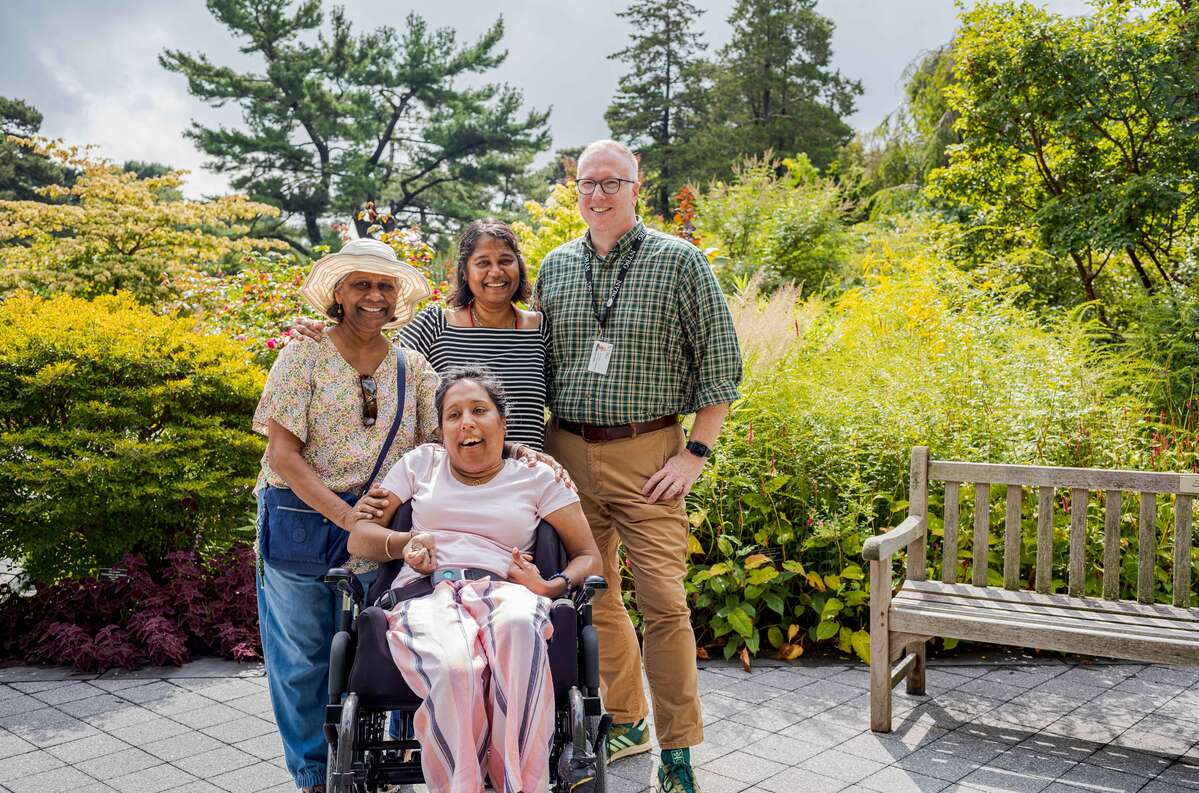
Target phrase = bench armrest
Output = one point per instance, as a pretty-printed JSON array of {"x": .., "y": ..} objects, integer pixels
[{"x": 883, "y": 546}]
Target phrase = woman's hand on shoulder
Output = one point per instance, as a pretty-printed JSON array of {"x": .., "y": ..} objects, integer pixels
[
  {"x": 305, "y": 328},
  {"x": 526, "y": 455}
]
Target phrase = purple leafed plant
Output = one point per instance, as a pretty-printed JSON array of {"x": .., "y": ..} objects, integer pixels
[{"x": 192, "y": 606}]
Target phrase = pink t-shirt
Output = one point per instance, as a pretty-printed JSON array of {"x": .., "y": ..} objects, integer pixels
[{"x": 474, "y": 525}]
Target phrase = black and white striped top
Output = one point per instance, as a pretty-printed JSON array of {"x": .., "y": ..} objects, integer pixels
[{"x": 517, "y": 356}]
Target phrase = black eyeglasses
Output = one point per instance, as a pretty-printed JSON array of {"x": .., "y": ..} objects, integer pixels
[
  {"x": 609, "y": 186},
  {"x": 370, "y": 399}
]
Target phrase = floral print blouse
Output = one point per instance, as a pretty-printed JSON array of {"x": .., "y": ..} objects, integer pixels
[{"x": 314, "y": 393}]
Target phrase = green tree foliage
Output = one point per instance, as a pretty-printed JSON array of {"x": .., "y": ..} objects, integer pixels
[
  {"x": 787, "y": 228},
  {"x": 22, "y": 170},
  {"x": 1082, "y": 132},
  {"x": 338, "y": 119},
  {"x": 882, "y": 171},
  {"x": 119, "y": 431},
  {"x": 772, "y": 88},
  {"x": 658, "y": 99},
  {"x": 115, "y": 231}
]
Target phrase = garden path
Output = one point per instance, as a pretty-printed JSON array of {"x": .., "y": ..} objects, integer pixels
[{"x": 993, "y": 722}]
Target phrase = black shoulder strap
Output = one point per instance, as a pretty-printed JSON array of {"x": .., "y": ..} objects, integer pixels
[{"x": 401, "y": 384}]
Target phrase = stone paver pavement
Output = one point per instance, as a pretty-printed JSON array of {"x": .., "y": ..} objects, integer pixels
[{"x": 1016, "y": 725}]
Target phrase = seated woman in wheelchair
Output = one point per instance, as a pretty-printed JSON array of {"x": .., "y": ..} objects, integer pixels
[{"x": 474, "y": 648}]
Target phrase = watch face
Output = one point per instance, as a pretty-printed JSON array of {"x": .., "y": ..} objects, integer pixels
[{"x": 698, "y": 449}]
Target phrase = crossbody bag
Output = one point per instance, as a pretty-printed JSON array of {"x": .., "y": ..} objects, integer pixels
[{"x": 296, "y": 538}]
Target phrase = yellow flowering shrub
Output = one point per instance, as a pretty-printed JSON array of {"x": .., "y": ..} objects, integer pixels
[{"x": 120, "y": 431}]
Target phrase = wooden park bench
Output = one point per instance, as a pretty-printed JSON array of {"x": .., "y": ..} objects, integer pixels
[{"x": 1138, "y": 630}]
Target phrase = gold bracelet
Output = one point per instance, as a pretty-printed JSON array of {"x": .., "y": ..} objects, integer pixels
[{"x": 387, "y": 546}]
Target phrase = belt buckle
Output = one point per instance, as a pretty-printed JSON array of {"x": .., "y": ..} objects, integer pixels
[{"x": 446, "y": 574}]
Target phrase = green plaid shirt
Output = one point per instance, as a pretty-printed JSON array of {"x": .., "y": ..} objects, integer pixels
[{"x": 675, "y": 347}]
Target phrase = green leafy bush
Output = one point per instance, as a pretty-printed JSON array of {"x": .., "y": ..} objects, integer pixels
[
  {"x": 814, "y": 457},
  {"x": 786, "y": 227},
  {"x": 120, "y": 431}
]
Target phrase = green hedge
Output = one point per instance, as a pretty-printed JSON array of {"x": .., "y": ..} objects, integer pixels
[{"x": 120, "y": 431}]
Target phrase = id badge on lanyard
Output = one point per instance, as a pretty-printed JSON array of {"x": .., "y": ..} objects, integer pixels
[
  {"x": 601, "y": 351},
  {"x": 601, "y": 354}
]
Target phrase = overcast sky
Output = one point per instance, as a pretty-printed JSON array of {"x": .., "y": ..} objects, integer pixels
[{"x": 91, "y": 67}]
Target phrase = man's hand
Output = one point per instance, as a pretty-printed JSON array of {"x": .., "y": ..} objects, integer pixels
[
  {"x": 305, "y": 328},
  {"x": 521, "y": 570},
  {"x": 421, "y": 553},
  {"x": 518, "y": 451},
  {"x": 675, "y": 479}
]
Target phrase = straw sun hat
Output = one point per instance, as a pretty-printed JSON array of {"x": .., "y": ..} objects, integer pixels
[{"x": 365, "y": 256}]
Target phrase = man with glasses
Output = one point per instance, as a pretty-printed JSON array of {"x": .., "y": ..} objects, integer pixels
[{"x": 641, "y": 333}]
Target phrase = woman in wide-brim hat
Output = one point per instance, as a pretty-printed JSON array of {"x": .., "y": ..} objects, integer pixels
[{"x": 327, "y": 410}]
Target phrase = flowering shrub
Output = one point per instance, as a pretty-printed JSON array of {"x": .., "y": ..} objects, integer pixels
[
  {"x": 111, "y": 230},
  {"x": 553, "y": 223},
  {"x": 133, "y": 617},
  {"x": 120, "y": 431},
  {"x": 255, "y": 305},
  {"x": 814, "y": 456}
]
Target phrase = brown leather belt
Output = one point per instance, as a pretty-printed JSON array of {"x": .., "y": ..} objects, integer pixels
[{"x": 593, "y": 433}]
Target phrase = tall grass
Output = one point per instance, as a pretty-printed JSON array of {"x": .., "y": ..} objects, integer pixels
[{"x": 838, "y": 390}]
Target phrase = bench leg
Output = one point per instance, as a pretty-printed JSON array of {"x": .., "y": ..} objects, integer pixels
[
  {"x": 916, "y": 676},
  {"x": 880, "y": 646}
]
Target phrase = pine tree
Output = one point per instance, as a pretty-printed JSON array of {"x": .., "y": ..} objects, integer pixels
[
  {"x": 22, "y": 170},
  {"x": 338, "y": 119},
  {"x": 773, "y": 88},
  {"x": 655, "y": 100}
]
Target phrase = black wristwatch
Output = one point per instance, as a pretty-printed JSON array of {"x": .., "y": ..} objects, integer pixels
[{"x": 699, "y": 449}]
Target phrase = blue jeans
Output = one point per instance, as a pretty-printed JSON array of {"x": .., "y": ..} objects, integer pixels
[{"x": 297, "y": 618}]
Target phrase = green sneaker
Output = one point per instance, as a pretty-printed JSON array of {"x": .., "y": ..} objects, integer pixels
[
  {"x": 626, "y": 740},
  {"x": 675, "y": 774}
]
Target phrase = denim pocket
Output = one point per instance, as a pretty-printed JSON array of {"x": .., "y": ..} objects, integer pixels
[{"x": 299, "y": 539}]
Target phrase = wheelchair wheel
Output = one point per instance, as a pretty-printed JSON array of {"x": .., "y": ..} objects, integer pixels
[
  {"x": 341, "y": 767},
  {"x": 582, "y": 769}
]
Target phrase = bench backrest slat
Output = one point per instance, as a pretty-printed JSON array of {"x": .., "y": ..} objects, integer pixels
[
  {"x": 1146, "y": 547},
  {"x": 1045, "y": 540},
  {"x": 1089, "y": 478},
  {"x": 949, "y": 552},
  {"x": 1182, "y": 552},
  {"x": 1076, "y": 581},
  {"x": 1011, "y": 537},
  {"x": 982, "y": 532},
  {"x": 1079, "y": 483},
  {"x": 918, "y": 505},
  {"x": 1111, "y": 545}
]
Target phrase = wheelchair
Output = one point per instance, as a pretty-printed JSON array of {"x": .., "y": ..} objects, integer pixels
[{"x": 365, "y": 685}]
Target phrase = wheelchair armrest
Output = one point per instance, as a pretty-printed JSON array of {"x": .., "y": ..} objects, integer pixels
[{"x": 584, "y": 593}]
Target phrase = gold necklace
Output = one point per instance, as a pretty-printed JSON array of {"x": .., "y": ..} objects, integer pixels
[
  {"x": 478, "y": 323},
  {"x": 481, "y": 479}
]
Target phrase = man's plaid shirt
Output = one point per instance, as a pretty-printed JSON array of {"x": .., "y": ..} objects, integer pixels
[{"x": 675, "y": 347}]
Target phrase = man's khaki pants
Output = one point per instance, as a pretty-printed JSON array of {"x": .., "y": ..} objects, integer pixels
[{"x": 610, "y": 475}]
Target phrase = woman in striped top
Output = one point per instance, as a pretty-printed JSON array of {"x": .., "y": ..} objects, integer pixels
[{"x": 482, "y": 325}]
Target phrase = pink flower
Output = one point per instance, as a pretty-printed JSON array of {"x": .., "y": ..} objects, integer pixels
[{"x": 271, "y": 344}]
